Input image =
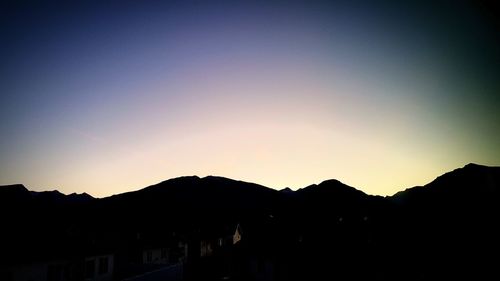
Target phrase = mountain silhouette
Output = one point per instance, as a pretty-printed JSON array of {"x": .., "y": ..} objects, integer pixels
[
  {"x": 13, "y": 193},
  {"x": 200, "y": 193},
  {"x": 191, "y": 200},
  {"x": 471, "y": 181},
  {"x": 454, "y": 219},
  {"x": 445, "y": 229},
  {"x": 18, "y": 194}
]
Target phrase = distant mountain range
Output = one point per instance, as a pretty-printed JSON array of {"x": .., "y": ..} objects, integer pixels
[
  {"x": 19, "y": 192},
  {"x": 445, "y": 229}
]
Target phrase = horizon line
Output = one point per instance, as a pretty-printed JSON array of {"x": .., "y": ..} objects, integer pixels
[{"x": 470, "y": 164}]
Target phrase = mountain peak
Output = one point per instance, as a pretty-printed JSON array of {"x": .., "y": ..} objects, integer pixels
[
  {"x": 13, "y": 187},
  {"x": 474, "y": 165},
  {"x": 17, "y": 191},
  {"x": 333, "y": 186},
  {"x": 332, "y": 182},
  {"x": 472, "y": 180},
  {"x": 213, "y": 177},
  {"x": 80, "y": 196},
  {"x": 182, "y": 179}
]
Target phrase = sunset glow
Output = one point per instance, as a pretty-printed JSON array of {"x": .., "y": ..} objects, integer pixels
[{"x": 108, "y": 99}]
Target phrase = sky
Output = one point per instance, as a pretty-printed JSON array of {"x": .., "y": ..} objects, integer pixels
[{"x": 106, "y": 97}]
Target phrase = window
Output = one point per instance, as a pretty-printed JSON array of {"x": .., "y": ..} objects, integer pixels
[
  {"x": 149, "y": 256},
  {"x": 163, "y": 253},
  {"x": 89, "y": 268},
  {"x": 103, "y": 265}
]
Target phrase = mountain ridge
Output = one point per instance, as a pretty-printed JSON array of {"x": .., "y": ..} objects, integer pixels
[
  {"x": 452, "y": 218},
  {"x": 460, "y": 180},
  {"x": 328, "y": 182}
]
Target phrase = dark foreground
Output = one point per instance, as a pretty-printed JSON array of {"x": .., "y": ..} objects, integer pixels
[{"x": 215, "y": 228}]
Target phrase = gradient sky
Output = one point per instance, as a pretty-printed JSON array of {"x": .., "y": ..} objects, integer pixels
[{"x": 111, "y": 97}]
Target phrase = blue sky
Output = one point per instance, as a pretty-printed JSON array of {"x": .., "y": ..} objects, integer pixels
[{"x": 113, "y": 96}]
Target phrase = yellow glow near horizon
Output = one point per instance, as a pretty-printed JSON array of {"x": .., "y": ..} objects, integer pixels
[{"x": 280, "y": 95}]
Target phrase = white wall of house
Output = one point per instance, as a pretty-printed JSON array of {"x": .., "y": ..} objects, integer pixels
[
  {"x": 206, "y": 248},
  {"x": 99, "y": 268},
  {"x": 155, "y": 256},
  {"x": 184, "y": 251},
  {"x": 42, "y": 271},
  {"x": 35, "y": 272}
]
